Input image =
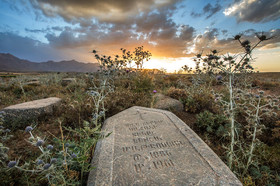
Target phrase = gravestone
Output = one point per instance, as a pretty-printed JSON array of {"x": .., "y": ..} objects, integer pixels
[
  {"x": 33, "y": 83},
  {"x": 154, "y": 147},
  {"x": 19, "y": 115}
]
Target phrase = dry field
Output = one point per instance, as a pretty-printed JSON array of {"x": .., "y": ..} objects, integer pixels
[{"x": 131, "y": 89}]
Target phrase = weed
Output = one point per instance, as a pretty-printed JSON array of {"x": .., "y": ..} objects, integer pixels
[
  {"x": 229, "y": 65},
  {"x": 176, "y": 93},
  {"x": 212, "y": 123}
]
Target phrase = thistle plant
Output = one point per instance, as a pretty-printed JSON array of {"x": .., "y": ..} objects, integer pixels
[
  {"x": 20, "y": 81},
  {"x": 58, "y": 163},
  {"x": 97, "y": 95},
  {"x": 153, "y": 98},
  {"x": 110, "y": 66},
  {"x": 84, "y": 149},
  {"x": 187, "y": 69},
  {"x": 45, "y": 164},
  {"x": 127, "y": 58},
  {"x": 140, "y": 55},
  {"x": 255, "y": 106},
  {"x": 103, "y": 84},
  {"x": 228, "y": 68}
]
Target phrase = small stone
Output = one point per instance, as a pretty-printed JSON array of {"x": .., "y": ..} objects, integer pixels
[{"x": 167, "y": 103}]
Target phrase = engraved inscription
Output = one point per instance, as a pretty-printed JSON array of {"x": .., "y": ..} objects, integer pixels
[
  {"x": 138, "y": 124},
  {"x": 163, "y": 163},
  {"x": 160, "y": 145},
  {"x": 149, "y": 127},
  {"x": 138, "y": 167},
  {"x": 143, "y": 133},
  {"x": 147, "y": 139},
  {"x": 160, "y": 154},
  {"x": 140, "y": 114},
  {"x": 136, "y": 157}
]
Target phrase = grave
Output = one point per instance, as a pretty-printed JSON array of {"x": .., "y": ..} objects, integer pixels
[
  {"x": 154, "y": 147},
  {"x": 19, "y": 115},
  {"x": 33, "y": 83}
]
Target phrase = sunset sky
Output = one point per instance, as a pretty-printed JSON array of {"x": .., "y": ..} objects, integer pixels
[{"x": 173, "y": 30}]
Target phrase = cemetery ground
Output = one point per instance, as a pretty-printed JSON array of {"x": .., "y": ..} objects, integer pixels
[{"x": 201, "y": 112}]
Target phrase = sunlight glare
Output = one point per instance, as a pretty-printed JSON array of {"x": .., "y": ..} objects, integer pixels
[{"x": 170, "y": 64}]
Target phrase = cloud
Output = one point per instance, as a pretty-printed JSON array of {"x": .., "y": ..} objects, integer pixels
[
  {"x": 187, "y": 33},
  {"x": 211, "y": 10},
  {"x": 131, "y": 25},
  {"x": 28, "y": 48},
  {"x": 270, "y": 46},
  {"x": 209, "y": 41},
  {"x": 208, "y": 10},
  {"x": 155, "y": 30},
  {"x": 37, "y": 30},
  {"x": 224, "y": 32},
  {"x": 153, "y": 21},
  {"x": 166, "y": 42},
  {"x": 254, "y": 10},
  {"x": 105, "y": 10},
  {"x": 157, "y": 33},
  {"x": 195, "y": 15},
  {"x": 249, "y": 31}
]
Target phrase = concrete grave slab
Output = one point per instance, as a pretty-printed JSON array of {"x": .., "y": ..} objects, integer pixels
[
  {"x": 154, "y": 147},
  {"x": 33, "y": 83},
  {"x": 21, "y": 114}
]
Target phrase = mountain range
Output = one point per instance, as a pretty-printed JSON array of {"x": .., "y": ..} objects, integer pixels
[{"x": 10, "y": 63}]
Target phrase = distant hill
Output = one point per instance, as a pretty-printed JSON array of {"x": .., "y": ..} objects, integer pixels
[{"x": 10, "y": 63}]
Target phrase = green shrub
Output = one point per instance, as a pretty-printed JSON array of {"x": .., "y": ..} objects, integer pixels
[
  {"x": 123, "y": 98},
  {"x": 198, "y": 102},
  {"x": 142, "y": 82},
  {"x": 211, "y": 123}
]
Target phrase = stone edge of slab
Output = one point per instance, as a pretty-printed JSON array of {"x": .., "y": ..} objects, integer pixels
[{"x": 57, "y": 100}]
